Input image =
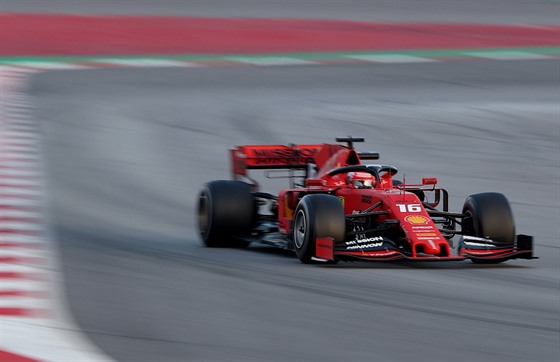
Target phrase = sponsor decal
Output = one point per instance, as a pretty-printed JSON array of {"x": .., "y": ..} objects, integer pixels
[
  {"x": 427, "y": 234},
  {"x": 422, "y": 228},
  {"x": 364, "y": 246},
  {"x": 409, "y": 207},
  {"x": 365, "y": 240},
  {"x": 385, "y": 253},
  {"x": 417, "y": 219},
  {"x": 282, "y": 156},
  {"x": 342, "y": 200},
  {"x": 374, "y": 242},
  {"x": 367, "y": 199}
]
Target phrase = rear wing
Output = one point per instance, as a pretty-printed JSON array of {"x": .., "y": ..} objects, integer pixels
[
  {"x": 244, "y": 158},
  {"x": 290, "y": 157}
]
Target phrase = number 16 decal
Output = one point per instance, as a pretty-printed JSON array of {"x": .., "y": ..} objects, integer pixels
[{"x": 409, "y": 207}]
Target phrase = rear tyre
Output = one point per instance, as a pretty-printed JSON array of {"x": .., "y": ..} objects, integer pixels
[
  {"x": 225, "y": 209},
  {"x": 488, "y": 215},
  {"x": 317, "y": 216}
]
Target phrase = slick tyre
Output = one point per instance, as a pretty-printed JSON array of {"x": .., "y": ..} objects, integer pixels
[
  {"x": 317, "y": 216},
  {"x": 488, "y": 215},
  {"x": 225, "y": 209}
]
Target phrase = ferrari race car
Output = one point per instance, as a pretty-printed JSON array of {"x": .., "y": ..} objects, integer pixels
[{"x": 339, "y": 209}]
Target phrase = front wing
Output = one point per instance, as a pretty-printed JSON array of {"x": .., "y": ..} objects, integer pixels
[{"x": 473, "y": 248}]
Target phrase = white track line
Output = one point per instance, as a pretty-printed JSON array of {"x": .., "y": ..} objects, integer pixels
[
  {"x": 17, "y": 213},
  {"x": 147, "y": 62},
  {"x": 24, "y": 285},
  {"x": 33, "y": 65},
  {"x": 19, "y": 173},
  {"x": 271, "y": 61},
  {"x": 25, "y": 303},
  {"x": 391, "y": 58},
  {"x": 18, "y": 202},
  {"x": 25, "y": 252},
  {"x": 15, "y": 192},
  {"x": 21, "y": 183},
  {"x": 508, "y": 55},
  {"x": 21, "y": 239}
]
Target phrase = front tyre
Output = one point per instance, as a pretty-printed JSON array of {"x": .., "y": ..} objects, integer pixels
[
  {"x": 317, "y": 216},
  {"x": 488, "y": 215},
  {"x": 225, "y": 209}
]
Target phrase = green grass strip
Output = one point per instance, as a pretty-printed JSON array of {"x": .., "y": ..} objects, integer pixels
[{"x": 439, "y": 53}]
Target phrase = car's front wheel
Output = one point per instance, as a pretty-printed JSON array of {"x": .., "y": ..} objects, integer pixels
[
  {"x": 488, "y": 215},
  {"x": 317, "y": 216}
]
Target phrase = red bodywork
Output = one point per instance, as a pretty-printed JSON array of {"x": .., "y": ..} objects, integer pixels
[{"x": 395, "y": 205}]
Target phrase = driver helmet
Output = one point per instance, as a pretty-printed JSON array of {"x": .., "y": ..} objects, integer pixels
[{"x": 360, "y": 180}]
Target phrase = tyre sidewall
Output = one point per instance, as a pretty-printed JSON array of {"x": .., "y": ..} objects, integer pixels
[
  {"x": 324, "y": 215},
  {"x": 491, "y": 217},
  {"x": 226, "y": 208}
]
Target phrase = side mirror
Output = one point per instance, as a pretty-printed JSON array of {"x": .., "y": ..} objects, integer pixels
[{"x": 429, "y": 181}]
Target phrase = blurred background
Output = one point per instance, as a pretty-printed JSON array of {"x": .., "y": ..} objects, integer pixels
[{"x": 467, "y": 91}]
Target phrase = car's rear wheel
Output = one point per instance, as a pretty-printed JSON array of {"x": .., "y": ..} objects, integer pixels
[
  {"x": 488, "y": 215},
  {"x": 317, "y": 216},
  {"x": 225, "y": 209}
]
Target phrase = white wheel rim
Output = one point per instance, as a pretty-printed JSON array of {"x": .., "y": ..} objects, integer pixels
[{"x": 300, "y": 229}]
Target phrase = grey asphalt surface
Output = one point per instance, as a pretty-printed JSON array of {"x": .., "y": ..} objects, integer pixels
[
  {"x": 528, "y": 12},
  {"x": 128, "y": 150}
]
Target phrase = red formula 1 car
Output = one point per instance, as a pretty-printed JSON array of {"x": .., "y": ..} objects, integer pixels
[{"x": 339, "y": 208}]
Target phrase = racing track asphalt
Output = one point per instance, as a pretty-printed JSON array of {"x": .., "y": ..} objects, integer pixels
[
  {"x": 450, "y": 11},
  {"x": 128, "y": 150}
]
